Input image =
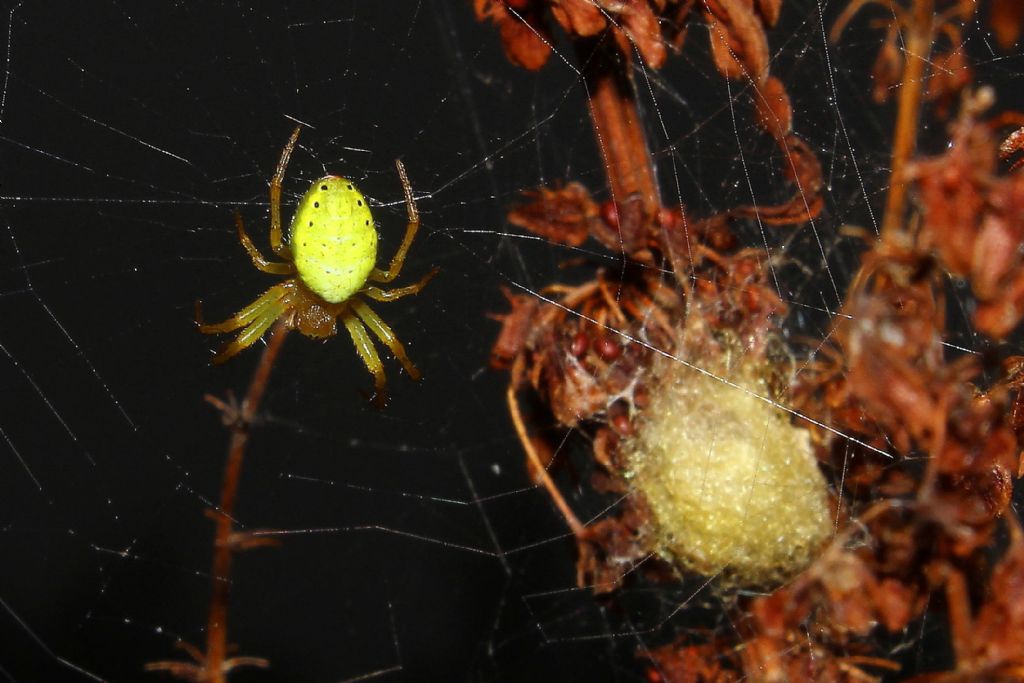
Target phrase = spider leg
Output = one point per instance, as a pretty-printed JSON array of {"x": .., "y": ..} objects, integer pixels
[
  {"x": 368, "y": 354},
  {"x": 378, "y": 294},
  {"x": 245, "y": 316},
  {"x": 253, "y": 331},
  {"x": 276, "y": 242},
  {"x": 257, "y": 258},
  {"x": 398, "y": 260},
  {"x": 385, "y": 334}
]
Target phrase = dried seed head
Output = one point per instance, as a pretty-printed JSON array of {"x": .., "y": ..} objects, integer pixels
[{"x": 732, "y": 485}]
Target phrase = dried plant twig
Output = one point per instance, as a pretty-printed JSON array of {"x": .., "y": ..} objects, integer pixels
[{"x": 214, "y": 665}]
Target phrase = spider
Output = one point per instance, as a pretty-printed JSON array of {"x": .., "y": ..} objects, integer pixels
[{"x": 331, "y": 257}]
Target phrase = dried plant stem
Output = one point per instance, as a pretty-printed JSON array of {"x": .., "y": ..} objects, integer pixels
[
  {"x": 223, "y": 545},
  {"x": 617, "y": 124},
  {"x": 539, "y": 469},
  {"x": 917, "y": 44}
]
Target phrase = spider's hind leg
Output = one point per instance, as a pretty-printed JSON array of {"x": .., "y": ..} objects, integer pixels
[
  {"x": 380, "y": 294},
  {"x": 258, "y": 259},
  {"x": 398, "y": 260},
  {"x": 276, "y": 241}
]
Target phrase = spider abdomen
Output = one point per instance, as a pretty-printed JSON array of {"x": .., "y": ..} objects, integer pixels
[{"x": 333, "y": 239}]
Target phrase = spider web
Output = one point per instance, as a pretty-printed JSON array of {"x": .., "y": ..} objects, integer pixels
[{"x": 414, "y": 546}]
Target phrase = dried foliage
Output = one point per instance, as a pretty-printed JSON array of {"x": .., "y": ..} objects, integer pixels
[
  {"x": 1006, "y": 19},
  {"x": 1012, "y": 146},
  {"x": 650, "y": 27},
  {"x": 971, "y": 217},
  {"x": 947, "y": 69},
  {"x": 586, "y": 356},
  {"x": 931, "y": 440}
]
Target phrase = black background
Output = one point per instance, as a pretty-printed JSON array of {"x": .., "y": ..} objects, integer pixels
[{"x": 131, "y": 131}]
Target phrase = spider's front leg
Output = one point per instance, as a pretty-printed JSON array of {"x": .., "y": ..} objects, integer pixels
[
  {"x": 386, "y": 335},
  {"x": 254, "y": 320},
  {"x": 368, "y": 354}
]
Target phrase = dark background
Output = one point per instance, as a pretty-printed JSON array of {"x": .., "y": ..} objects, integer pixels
[{"x": 129, "y": 132}]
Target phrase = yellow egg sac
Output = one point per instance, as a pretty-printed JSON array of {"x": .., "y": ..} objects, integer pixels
[{"x": 733, "y": 487}]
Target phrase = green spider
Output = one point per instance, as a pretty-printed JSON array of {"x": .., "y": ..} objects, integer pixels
[{"x": 331, "y": 254}]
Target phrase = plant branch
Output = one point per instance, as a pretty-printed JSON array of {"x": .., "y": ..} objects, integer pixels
[
  {"x": 917, "y": 48},
  {"x": 238, "y": 422},
  {"x": 617, "y": 125}
]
